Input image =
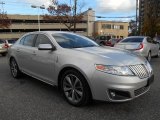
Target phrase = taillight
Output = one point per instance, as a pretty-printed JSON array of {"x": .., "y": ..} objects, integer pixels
[
  {"x": 5, "y": 45},
  {"x": 141, "y": 46}
]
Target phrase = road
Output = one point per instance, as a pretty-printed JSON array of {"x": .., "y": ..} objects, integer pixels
[{"x": 30, "y": 99}]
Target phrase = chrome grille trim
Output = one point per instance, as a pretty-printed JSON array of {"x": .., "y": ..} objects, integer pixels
[
  {"x": 140, "y": 71},
  {"x": 140, "y": 91}
]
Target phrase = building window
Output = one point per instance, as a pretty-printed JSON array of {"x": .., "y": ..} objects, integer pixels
[
  {"x": 106, "y": 26},
  {"x": 121, "y": 27},
  {"x": 115, "y": 27}
]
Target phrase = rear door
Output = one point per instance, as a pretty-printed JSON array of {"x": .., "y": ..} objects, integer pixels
[
  {"x": 24, "y": 52},
  {"x": 153, "y": 46}
]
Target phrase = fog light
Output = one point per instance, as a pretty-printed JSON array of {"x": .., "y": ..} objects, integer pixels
[
  {"x": 113, "y": 94},
  {"x": 119, "y": 95}
]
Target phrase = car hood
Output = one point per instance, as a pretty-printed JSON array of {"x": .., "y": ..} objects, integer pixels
[{"x": 114, "y": 56}]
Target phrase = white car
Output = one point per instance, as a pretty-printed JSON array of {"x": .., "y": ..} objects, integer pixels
[
  {"x": 3, "y": 48},
  {"x": 142, "y": 45}
]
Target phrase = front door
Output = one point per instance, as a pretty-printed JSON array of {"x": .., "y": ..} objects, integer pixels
[{"x": 43, "y": 61}]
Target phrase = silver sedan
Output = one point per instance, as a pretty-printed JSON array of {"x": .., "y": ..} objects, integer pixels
[
  {"x": 82, "y": 69},
  {"x": 141, "y": 45}
]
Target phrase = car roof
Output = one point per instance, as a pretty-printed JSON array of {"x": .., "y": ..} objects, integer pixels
[
  {"x": 137, "y": 36},
  {"x": 49, "y": 32}
]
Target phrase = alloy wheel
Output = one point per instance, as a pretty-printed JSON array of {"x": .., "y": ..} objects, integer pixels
[
  {"x": 73, "y": 88},
  {"x": 14, "y": 68}
]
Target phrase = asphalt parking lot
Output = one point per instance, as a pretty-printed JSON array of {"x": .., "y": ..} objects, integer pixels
[{"x": 30, "y": 99}]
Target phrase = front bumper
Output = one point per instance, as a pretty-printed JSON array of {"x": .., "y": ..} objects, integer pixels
[{"x": 107, "y": 87}]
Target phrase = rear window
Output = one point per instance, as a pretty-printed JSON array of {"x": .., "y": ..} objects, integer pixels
[
  {"x": 11, "y": 41},
  {"x": 1, "y": 41},
  {"x": 132, "y": 40},
  {"x": 104, "y": 37}
]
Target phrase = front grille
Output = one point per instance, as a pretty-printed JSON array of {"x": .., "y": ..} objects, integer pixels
[
  {"x": 140, "y": 91},
  {"x": 139, "y": 70}
]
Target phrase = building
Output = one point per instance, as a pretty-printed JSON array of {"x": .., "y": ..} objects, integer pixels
[
  {"x": 114, "y": 29},
  {"x": 21, "y": 24},
  {"x": 148, "y": 9}
]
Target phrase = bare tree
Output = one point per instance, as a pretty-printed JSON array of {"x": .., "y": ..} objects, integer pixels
[
  {"x": 69, "y": 15},
  {"x": 4, "y": 20}
]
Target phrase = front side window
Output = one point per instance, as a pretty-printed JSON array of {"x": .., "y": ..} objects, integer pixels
[
  {"x": 28, "y": 40},
  {"x": 42, "y": 39},
  {"x": 73, "y": 41}
]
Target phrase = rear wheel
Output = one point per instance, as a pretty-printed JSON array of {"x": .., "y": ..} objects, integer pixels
[
  {"x": 75, "y": 88},
  {"x": 16, "y": 73},
  {"x": 158, "y": 54},
  {"x": 149, "y": 56}
]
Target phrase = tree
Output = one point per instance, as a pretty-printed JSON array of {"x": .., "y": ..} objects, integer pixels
[
  {"x": 65, "y": 14},
  {"x": 4, "y": 20},
  {"x": 133, "y": 28},
  {"x": 151, "y": 25}
]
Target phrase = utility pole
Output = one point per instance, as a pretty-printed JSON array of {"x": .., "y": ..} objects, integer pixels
[
  {"x": 137, "y": 17},
  {"x": 75, "y": 14}
]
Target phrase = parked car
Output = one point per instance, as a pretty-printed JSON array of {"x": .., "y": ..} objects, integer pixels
[
  {"x": 111, "y": 42},
  {"x": 81, "y": 68},
  {"x": 10, "y": 42},
  {"x": 142, "y": 45},
  {"x": 101, "y": 40},
  {"x": 3, "y": 48}
]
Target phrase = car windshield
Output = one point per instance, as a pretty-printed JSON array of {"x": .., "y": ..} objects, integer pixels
[
  {"x": 132, "y": 40},
  {"x": 11, "y": 41},
  {"x": 73, "y": 41}
]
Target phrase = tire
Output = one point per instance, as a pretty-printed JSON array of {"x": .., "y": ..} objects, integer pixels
[
  {"x": 16, "y": 73},
  {"x": 158, "y": 55},
  {"x": 149, "y": 57},
  {"x": 4, "y": 54},
  {"x": 75, "y": 88}
]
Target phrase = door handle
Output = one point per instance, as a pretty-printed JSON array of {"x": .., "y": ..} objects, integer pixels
[
  {"x": 18, "y": 50},
  {"x": 34, "y": 53}
]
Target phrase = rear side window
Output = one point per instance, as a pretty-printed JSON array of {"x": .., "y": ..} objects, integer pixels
[
  {"x": 28, "y": 40},
  {"x": 149, "y": 40},
  {"x": 1, "y": 41},
  {"x": 42, "y": 39},
  {"x": 138, "y": 40},
  {"x": 103, "y": 38}
]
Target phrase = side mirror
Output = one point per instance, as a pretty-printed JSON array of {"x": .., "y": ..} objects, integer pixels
[{"x": 46, "y": 47}]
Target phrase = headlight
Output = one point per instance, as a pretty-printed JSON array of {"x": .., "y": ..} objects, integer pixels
[{"x": 115, "y": 70}]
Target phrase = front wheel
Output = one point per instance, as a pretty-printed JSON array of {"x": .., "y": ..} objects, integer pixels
[
  {"x": 16, "y": 73},
  {"x": 149, "y": 56},
  {"x": 75, "y": 88}
]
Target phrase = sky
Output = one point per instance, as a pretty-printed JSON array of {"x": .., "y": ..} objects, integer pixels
[{"x": 104, "y": 8}]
